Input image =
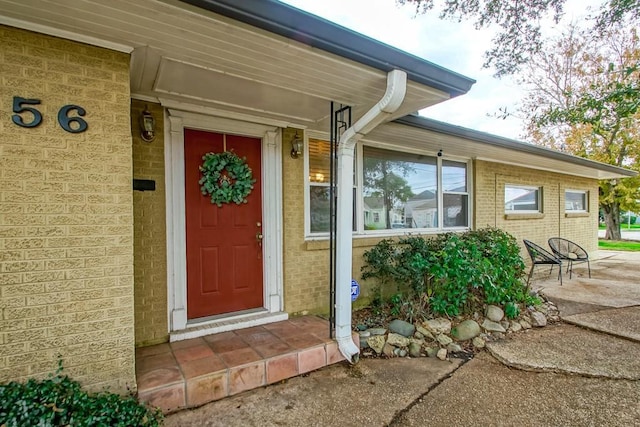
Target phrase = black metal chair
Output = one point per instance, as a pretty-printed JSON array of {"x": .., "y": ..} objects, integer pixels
[
  {"x": 540, "y": 256},
  {"x": 569, "y": 251}
]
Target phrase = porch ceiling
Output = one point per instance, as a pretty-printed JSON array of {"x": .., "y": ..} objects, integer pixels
[{"x": 184, "y": 53}]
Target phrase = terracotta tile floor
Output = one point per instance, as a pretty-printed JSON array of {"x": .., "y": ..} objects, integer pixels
[{"x": 192, "y": 372}]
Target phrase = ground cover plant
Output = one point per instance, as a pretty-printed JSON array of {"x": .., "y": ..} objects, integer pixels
[
  {"x": 450, "y": 274},
  {"x": 61, "y": 401}
]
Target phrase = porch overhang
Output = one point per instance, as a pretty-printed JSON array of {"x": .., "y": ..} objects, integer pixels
[
  {"x": 289, "y": 63},
  {"x": 427, "y": 135}
]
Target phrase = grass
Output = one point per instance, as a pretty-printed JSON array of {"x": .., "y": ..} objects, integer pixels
[
  {"x": 619, "y": 245},
  {"x": 623, "y": 227}
]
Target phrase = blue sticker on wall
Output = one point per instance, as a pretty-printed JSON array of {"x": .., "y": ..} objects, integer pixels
[{"x": 355, "y": 290}]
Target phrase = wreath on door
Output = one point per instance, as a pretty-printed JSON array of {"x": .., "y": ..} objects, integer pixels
[{"x": 226, "y": 178}]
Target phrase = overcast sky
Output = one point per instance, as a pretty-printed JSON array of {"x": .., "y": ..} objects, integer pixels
[{"x": 456, "y": 46}]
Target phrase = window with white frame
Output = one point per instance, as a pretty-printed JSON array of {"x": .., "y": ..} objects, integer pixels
[
  {"x": 576, "y": 201},
  {"x": 319, "y": 176},
  {"x": 394, "y": 191},
  {"x": 522, "y": 199}
]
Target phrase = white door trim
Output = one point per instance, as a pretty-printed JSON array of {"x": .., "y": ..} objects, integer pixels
[{"x": 271, "y": 137}]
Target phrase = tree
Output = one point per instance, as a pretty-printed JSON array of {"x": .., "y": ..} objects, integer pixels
[
  {"x": 520, "y": 35},
  {"x": 383, "y": 179},
  {"x": 584, "y": 99},
  {"x": 589, "y": 99}
]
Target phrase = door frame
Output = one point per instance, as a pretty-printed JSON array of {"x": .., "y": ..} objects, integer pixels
[{"x": 271, "y": 136}]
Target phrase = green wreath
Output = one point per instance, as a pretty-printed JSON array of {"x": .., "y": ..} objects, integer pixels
[{"x": 226, "y": 178}]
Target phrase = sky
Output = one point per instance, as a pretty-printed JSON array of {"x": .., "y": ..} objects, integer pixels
[{"x": 455, "y": 46}]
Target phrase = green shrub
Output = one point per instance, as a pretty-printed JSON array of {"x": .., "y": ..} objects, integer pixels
[
  {"x": 60, "y": 401},
  {"x": 453, "y": 273}
]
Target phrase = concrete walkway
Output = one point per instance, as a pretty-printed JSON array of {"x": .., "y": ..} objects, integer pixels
[{"x": 582, "y": 374}]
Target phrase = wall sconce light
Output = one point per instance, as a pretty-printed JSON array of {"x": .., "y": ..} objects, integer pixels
[
  {"x": 147, "y": 126},
  {"x": 297, "y": 146}
]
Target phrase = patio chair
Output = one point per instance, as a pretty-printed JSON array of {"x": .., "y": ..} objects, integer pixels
[
  {"x": 540, "y": 256},
  {"x": 569, "y": 251}
]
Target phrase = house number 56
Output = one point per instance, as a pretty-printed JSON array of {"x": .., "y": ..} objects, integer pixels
[{"x": 23, "y": 107}]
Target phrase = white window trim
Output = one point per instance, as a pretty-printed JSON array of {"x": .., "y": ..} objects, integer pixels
[
  {"x": 360, "y": 231},
  {"x": 525, "y": 187},
  {"x": 586, "y": 201},
  {"x": 271, "y": 136}
]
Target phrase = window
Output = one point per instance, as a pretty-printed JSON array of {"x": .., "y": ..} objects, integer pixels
[
  {"x": 395, "y": 191},
  {"x": 455, "y": 197},
  {"x": 522, "y": 199},
  {"x": 319, "y": 175},
  {"x": 575, "y": 201},
  {"x": 319, "y": 169}
]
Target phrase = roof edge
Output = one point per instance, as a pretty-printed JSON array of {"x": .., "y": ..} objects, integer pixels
[
  {"x": 296, "y": 24},
  {"x": 512, "y": 144}
]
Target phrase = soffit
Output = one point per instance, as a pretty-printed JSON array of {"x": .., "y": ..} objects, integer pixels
[
  {"x": 394, "y": 135},
  {"x": 182, "y": 52}
]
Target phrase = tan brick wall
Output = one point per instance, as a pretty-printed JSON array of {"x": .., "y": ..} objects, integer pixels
[
  {"x": 489, "y": 183},
  {"x": 305, "y": 272},
  {"x": 66, "y": 223},
  {"x": 149, "y": 232}
]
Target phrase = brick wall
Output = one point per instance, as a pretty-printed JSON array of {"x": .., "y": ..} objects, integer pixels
[
  {"x": 489, "y": 183},
  {"x": 66, "y": 224},
  {"x": 149, "y": 232}
]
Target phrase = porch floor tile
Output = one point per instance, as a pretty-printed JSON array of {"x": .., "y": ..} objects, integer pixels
[{"x": 193, "y": 372}]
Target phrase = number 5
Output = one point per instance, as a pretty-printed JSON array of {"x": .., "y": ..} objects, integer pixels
[{"x": 18, "y": 108}]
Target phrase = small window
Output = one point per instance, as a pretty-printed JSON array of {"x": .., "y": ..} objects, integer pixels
[
  {"x": 575, "y": 201},
  {"x": 522, "y": 199}
]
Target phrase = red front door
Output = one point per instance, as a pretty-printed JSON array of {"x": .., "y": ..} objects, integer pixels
[{"x": 224, "y": 250}]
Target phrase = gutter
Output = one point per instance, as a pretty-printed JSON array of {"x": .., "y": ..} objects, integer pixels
[
  {"x": 425, "y": 123},
  {"x": 388, "y": 104}
]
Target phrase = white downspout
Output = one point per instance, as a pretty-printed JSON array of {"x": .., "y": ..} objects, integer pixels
[{"x": 390, "y": 102}]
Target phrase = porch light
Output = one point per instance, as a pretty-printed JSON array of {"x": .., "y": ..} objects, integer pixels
[
  {"x": 297, "y": 145},
  {"x": 147, "y": 126}
]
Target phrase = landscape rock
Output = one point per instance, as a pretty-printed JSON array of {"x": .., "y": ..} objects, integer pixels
[
  {"x": 401, "y": 327},
  {"x": 438, "y": 326},
  {"x": 388, "y": 350},
  {"x": 377, "y": 331},
  {"x": 402, "y": 352},
  {"x": 425, "y": 333},
  {"x": 397, "y": 340},
  {"x": 363, "y": 343},
  {"x": 444, "y": 339},
  {"x": 515, "y": 327},
  {"x": 466, "y": 330},
  {"x": 377, "y": 343},
  {"x": 525, "y": 324},
  {"x": 478, "y": 342},
  {"x": 491, "y": 326},
  {"x": 542, "y": 308},
  {"x": 538, "y": 319},
  {"x": 454, "y": 348},
  {"x": 494, "y": 313},
  {"x": 432, "y": 351},
  {"x": 415, "y": 348},
  {"x": 442, "y": 354}
]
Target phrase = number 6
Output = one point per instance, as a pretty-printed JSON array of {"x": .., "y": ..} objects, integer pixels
[{"x": 66, "y": 121}]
